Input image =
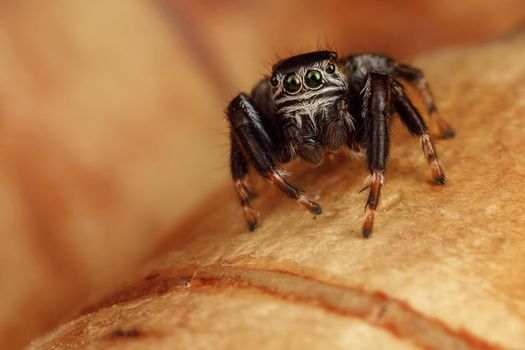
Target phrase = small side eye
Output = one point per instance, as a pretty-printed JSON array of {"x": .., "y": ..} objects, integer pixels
[
  {"x": 274, "y": 80},
  {"x": 330, "y": 68},
  {"x": 292, "y": 83},
  {"x": 313, "y": 79}
]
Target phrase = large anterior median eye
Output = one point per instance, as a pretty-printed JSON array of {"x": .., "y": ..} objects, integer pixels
[
  {"x": 313, "y": 79},
  {"x": 292, "y": 83}
]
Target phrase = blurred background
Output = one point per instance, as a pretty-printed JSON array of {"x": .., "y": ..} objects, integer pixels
[{"x": 112, "y": 128}]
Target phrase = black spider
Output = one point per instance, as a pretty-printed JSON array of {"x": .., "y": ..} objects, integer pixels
[{"x": 315, "y": 103}]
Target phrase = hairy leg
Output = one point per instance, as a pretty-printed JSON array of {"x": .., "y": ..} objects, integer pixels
[
  {"x": 256, "y": 146},
  {"x": 239, "y": 170},
  {"x": 416, "y": 125},
  {"x": 376, "y": 113},
  {"x": 416, "y": 78}
]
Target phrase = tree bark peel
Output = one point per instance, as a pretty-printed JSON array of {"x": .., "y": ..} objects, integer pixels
[{"x": 446, "y": 261}]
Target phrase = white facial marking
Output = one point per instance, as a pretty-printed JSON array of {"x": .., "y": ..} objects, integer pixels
[{"x": 305, "y": 101}]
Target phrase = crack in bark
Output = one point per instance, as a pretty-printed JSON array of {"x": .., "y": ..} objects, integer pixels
[{"x": 374, "y": 308}]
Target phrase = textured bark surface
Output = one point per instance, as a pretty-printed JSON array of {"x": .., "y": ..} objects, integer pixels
[
  {"x": 444, "y": 270},
  {"x": 112, "y": 130}
]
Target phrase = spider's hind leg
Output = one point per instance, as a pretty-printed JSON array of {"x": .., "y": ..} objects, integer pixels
[
  {"x": 415, "y": 124},
  {"x": 415, "y": 77}
]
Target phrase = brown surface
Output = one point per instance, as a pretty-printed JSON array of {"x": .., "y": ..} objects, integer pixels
[
  {"x": 443, "y": 271},
  {"x": 244, "y": 38},
  {"x": 111, "y": 128},
  {"x": 90, "y": 162}
]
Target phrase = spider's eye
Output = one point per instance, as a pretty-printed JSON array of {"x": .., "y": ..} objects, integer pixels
[
  {"x": 313, "y": 79},
  {"x": 274, "y": 80},
  {"x": 292, "y": 83},
  {"x": 330, "y": 68}
]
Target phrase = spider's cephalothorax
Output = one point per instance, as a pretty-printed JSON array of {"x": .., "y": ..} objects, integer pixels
[
  {"x": 316, "y": 103},
  {"x": 308, "y": 91}
]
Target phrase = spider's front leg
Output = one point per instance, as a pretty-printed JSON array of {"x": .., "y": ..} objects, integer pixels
[
  {"x": 415, "y": 77},
  {"x": 239, "y": 170},
  {"x": 380, "y": 94},
  {"x": 252, "y": 146},
  {"x": 376, "y": 114}
]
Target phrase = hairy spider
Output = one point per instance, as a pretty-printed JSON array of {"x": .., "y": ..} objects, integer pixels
[{"x": 315, "y": 103}]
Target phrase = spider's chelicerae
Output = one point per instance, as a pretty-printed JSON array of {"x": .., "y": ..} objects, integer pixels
[{"x": 315, "y": 103}]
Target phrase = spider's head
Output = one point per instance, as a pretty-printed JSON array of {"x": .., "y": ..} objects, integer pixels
[{"x": 313, "y": 76}]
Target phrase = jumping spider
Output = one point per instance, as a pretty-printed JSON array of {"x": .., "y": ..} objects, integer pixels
[{"x": 315, "y": 103}]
